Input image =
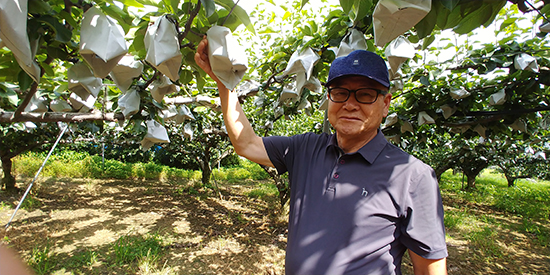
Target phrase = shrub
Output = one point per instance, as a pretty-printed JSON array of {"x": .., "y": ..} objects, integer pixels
[
  {"x": 146, "y": 170},
  {"x": 117, "y": 170}
]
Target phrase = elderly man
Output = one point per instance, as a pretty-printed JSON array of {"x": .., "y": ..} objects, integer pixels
[{"x": 357, "y": 202}]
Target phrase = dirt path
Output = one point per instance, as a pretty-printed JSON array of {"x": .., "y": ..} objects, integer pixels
[{"x": 202, "y": 233}]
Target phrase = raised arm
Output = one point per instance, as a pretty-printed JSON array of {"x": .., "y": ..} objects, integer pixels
[{"x": 241, "y": 134}]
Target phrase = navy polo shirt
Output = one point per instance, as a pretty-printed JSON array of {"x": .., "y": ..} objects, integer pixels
[{"x": 356, "y": 213}]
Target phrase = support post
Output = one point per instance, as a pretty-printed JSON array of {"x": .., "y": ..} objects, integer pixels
[{"x": 36, "y": 176}]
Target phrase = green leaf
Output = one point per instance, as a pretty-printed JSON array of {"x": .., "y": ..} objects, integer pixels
[
  {"x": 209, "y": 7},
  {"x": 449, "y": 4},
  {"x": 153, "y": 3},
  {"x": 413, "y": 39},
  {"x": 123, "y": 18},
  {"x": 427, "y": 42},
  {"x": 38, "y": 7},
  {"x": 497, "y": 6},
  {"x": 132, "y": 3},
  {"x": 62, "y": 34},
  {"x": 57, "y": 53},
  {"x": 425, "y": 81},
  {"x": 361, "y": 8},
  {"x": 427, "y": 24},
  {"x": 25, "y": 81},
  {"x": 443, "y": 15},
  {"x": 239, "y": 12},
  {"x": 200, "y": 81},
  {"x": 346, "y": 5},
  {"x": 47, "y": 69},
  {"x": 506, "y": 23},
  {"x": 266, "y": 30},
  {"x": 231, "y": 21},
  {"x": 10, "y": 94},
  {"x": 474, "y": 19},
  {"x": 174, "y": 6},
  {"x": 186, "y": 76},
  {"x": 68, "y": 18},
  {"x": 304, "y": 2},
  {"x": 287, "y": 15}
]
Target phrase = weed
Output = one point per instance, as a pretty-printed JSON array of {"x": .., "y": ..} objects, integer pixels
[
  {"x": 485, "y": 242},
  {"x": 147, "y": 265},
  {"x": 30, "y": 203},
  {"x": 541, "y": 232},
  {"x": 4, "y": 205},
  {"x": 130, "y": 248},
  {"x": 525, "y": 201},
  {"x": 454, "y": 219},
  {"x": 263, "y": 191},
  {"x": 528, "y": 200},
  {"x": 83, "y": 258},
  {"x": 41, "y": 260}
]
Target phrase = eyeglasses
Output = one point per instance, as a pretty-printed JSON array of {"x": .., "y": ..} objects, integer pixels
[{"x": 363, "y": 95}]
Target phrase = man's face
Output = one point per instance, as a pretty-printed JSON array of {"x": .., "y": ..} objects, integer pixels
[{"x": 355, "y": 120}]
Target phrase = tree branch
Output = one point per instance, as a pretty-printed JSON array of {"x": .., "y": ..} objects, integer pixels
[
  {"x": 504, "y": 112},
  {"x": 26, "y": 101},
  {"x": 8, "y": 117},
  {"x": 187, "y": 26},
  {"x": 493, "y": 116}
]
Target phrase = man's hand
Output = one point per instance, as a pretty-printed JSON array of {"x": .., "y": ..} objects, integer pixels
[{"x": 201, "y": 58}]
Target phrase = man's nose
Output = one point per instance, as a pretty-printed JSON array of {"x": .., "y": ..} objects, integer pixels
[{"x": 351, "y": 103}]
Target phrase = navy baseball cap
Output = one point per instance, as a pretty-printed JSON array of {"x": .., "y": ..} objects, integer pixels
[{"x": 361, "y": 63}]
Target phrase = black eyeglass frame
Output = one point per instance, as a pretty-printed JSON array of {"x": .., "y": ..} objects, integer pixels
[{"x": 378, "y": 92}]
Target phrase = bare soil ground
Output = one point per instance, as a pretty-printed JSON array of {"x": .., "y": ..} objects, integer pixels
[{"x": 203, "y": 233}]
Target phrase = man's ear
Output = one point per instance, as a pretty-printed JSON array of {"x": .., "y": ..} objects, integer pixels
[{"x": 387, "y": 101}]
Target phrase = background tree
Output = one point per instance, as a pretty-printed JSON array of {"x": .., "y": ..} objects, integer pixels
[{"x": 54, "y": 29}]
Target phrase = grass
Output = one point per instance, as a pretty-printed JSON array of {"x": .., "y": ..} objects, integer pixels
[
  {"x": 42, "y": 260},
  {"x": 263, "y": 190},
  {"x": 131, "y": 248},
  {"x": 529, "y": 198},
  {"x": 481, "y": 215},
  {"x": 72, "y": 164},
  {"x": 87, "y": 257},
  {"x": 4, "y": 205},
  {"x": 478, "y": 216}
]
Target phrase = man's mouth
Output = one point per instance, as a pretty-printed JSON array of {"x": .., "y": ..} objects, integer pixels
[{"x": 350, "y": 118}]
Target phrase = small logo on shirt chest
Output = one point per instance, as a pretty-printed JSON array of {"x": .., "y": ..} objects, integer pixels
[{"x": 364, "y": 193}]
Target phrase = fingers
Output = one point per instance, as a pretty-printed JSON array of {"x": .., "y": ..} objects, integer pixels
[{"x": 201, "y": 56}]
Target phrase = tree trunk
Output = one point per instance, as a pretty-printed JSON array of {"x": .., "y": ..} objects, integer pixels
[
  {"x": 441, "y": 169},
  {"x": 471, "y": 179},
  {"x": 9, "y": 180},
  {"x": 205, "y": 167},
  {"x": 282, "y": 186},
  {"x": 472, "y": 173},
  {"x": 508, "y": 175},
  {"x": 510, "y": 181},
  {"x": 206, "y": 173}
]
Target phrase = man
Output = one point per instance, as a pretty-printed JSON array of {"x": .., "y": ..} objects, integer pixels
[{"x": 357, "y": 202}]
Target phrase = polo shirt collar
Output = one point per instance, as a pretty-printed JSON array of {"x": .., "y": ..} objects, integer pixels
[{"x": 370, "y": 151}]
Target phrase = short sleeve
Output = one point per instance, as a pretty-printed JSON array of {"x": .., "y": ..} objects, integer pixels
[
  {"x": 279, "y": 151},
  {"x": 423, "y": 229}
]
